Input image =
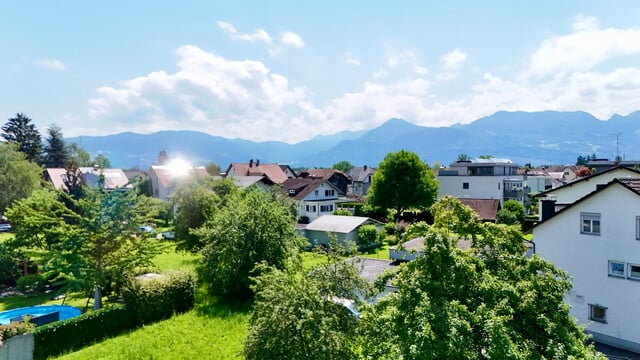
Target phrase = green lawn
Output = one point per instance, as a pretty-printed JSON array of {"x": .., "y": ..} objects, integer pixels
[{"x": 169, "y": 259}]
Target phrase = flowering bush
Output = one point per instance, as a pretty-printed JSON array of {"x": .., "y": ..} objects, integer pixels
[{"x": 16, "y": 328}]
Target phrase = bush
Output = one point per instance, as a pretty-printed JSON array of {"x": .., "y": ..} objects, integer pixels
[
  {"x": 368, "y": 236},
  {"x": 62, "y": 336},
  {"x": 15, "y": 328},
  {"x": 31, "y": 284},
  {"x": 390, "y": 228},
  {"x": 303, "y": 219},
  {"x": 9, "y": 267},
  {"x": 156, "y": 299},
  {"x": 342, "y": 212}
]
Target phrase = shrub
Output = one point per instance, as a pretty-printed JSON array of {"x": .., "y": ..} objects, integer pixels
[
  {"x": 368, "y": 236},
  {"x": 156, "y": 299},
  {"x": 389, "y": 228},
  {"x": 303, "y": 219},
  {"x": 343, "y": 212},
  {"x": 15, "y": 328},
  {"x": 9, "y": 267},
  {"x": 62, "y": 336},
  {"x": 31, "y": 284}
]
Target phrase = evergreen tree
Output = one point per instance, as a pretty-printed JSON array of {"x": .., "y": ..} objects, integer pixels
[
  {"x": 55, "y": 151},
  {"x": 22, "y": 131}
]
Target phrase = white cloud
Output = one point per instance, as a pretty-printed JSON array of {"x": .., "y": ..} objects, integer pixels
[
  {"x": 583, "y": 49},
  {"x": 232, "y": 32},
  {"x": 353, "y": 61},
  {"x": 451, "y": 64},
  {"x": 292, "y": 39},
  {"x": 51, "y": 64}
]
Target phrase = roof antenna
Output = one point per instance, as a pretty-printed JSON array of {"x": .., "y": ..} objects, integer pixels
[{"x": 618, "y": 158}]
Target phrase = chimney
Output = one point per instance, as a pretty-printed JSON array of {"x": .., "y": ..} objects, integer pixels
[
  {"x": 257, "y": 162},
  {"x": 251, "y": 163},
  {"x": 365, "y": 168},
  {"x": 548, "y": 207}
]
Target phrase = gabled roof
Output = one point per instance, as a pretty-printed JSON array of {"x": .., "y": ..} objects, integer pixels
[
  {"x": 167, "y": 176},
  {"x": 113, "y": 178},
  {"x": 360, "y": 173},
  {"x": 417, "y": 244},
  {"x": 371, "y": 269},
  {"x": 586, "y": 178},
  {"x": 299, "y": 188},
  {"x": 487, "y": 209},
  {"x": 631, "y": 184},
  {"x": 246, "y": 181},
  {"x": 322, "y": 173},
  {"x": 339, "y": 223},
  {"x": 273, "y": 171}
]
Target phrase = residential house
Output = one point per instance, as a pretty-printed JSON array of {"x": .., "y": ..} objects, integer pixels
[
  {"x": 166, "y": 179},
  {"x": 601, "y": 165},
  {"x": 571, "y": 192},
  {"x": 488, "y": 179},
  {"x": 273, "y": 172},
  {"x": 344, "y": 228},
  {"x": 315, "y": 197},
  {"x": 336, "y": 177},
  {"x": 112, "y": 179},
  {"x": 361, "y": 180},
  {"x": 596, "y": 239},
  {"x": 262, "y": 182},
  {"x": 487, "y": 209}
]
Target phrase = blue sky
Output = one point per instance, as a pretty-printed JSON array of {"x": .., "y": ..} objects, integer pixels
[{"x": 289, "y": 71}]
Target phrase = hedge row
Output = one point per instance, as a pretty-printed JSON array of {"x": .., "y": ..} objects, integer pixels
[
  {"x": 72, "y": 334},
  {"x": 145, "y": 302}
]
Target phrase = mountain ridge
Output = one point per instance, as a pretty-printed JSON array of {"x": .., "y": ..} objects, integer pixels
[{"x": 546, "y": 137}]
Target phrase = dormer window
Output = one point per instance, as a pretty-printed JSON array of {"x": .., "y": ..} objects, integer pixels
[{"x": 292, "y": 192}]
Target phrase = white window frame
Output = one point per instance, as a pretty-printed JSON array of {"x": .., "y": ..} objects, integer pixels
[
  {"x": 592, "y": 308},
  {"x": 629, "y": 272},
  {"x": 614, "y": 274},
  {"x": 593, "y": 219}
]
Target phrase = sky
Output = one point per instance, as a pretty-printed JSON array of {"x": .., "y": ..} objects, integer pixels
[{"x": 292, "y": 70}]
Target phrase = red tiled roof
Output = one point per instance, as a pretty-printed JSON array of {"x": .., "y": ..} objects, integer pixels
[
  {"x": 272, "y": 171},
  {"x": 301, "y": 186},
  {"x": 486, "y": 208}
]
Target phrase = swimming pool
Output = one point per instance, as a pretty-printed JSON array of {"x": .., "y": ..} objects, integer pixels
[{"x": 66, "y": 312}]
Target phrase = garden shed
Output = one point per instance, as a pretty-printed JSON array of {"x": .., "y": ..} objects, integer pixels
[{"x": 344, "y": 228}]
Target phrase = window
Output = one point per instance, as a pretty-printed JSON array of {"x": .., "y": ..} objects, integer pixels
[
  {"x": 597, "y": 313},
  {"x": 634, "y": 271},
  {"x": 329, "y": 192},
  {"x": 465, "y": 185},
  {"x": 317, "y": 192},
  {"x": 326, "y": 208},
  {"x": 616, "y": 268},
  {"x": 311, "y": 208},
  {"x": 637, "y": 227},
  {"x": 590, "y": 223}
]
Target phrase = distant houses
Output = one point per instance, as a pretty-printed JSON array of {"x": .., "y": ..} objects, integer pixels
[{"x": 111, "y": 179}]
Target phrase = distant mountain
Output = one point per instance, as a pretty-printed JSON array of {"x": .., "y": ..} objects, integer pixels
[{"x": 547, "y": 137}]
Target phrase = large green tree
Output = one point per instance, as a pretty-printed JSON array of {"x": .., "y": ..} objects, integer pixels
[
  {"x": 254, "y": 226},
  {"x": 484, "y": 300},
  {"x": 78, "y": 156},
  {"x": 18, "y": 176},
  {"x": 403, "y": 181},
  {"x": 22, "y": 131},
  {"x": 91, "y": 242},
  {"x": 55, "y": 152},
  {"x": 343, "y": 166}
]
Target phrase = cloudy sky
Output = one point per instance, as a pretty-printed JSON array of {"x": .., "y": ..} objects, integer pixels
[{"x": 288, "y": 71}]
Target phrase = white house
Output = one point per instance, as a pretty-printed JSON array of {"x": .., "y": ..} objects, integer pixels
[
  {"x": 315, "y": 197},
  {"x": 166, "y": 179},
  {"x": 596, "y": 239}
]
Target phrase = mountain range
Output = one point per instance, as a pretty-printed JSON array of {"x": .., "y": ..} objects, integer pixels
[{"x": 547, "y": 137}]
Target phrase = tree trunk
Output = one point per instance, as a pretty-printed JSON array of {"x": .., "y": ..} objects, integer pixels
[{"x": 97, "y": 298}]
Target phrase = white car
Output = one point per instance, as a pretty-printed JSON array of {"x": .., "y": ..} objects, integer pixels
[{"x": 5, "y": 227}]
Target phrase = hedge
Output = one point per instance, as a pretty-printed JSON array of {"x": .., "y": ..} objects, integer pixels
[{"x": 63, "y": 336}]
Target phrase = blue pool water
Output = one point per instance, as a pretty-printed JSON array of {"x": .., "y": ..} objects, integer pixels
[{"x": 66, "y": 312}]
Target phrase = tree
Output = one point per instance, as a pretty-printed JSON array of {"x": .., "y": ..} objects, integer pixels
[
  {"x": 583, "y": 171},
  {"x": 253, "y": 227},
  {"x": 78, "y": 155},
  {"x": 90, "y": 242},
  {"x": 463, "y": 157},
  {"x": 213, "y": 169},
  {"x": 299, "y": 314},
  {"x": 193, "y": 203},
  {"x": 21, "y": 131},
  {"x": 20, "y": 177},
  {"x": 368, "y": 236},
  {"x": 343, "y": 166},
  {"x": 403, "y": 181},
  {"x": 488, "y": 301},
  {"x": 512, "y": 212},
  {"x": 55, "y": 151},
  {"x": 102, "y": 161}
]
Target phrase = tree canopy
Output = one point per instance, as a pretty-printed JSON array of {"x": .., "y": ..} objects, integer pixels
[
  {"x": 512, "y": 213},
  {"x": 88, "y": 242},
  {"x": 403, "y": 181},
  {"x": 20, "y": 130},
  {"x": 18, "y": 176},
  {"x": 252, "y": 227},
  {"x": 343, "y": 166},
  {"x": 486, "y": 300}
]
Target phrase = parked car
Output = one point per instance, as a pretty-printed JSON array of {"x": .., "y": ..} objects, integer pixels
[
  {"x": 148, "y": 229},
  {"x": 5, "y": 227},
  {"x": 169, "y": 235}
]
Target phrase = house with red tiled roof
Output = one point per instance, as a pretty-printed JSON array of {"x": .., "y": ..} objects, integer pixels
[
  {"x": 315, "y": 197},
  {"x": 165, "y": 179},
  {"x": 274, "y": 172},
  {"x": 112, "y": 179},
  {"x": 487, "y": 209},
  {"x": 336, "y": 177}
]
